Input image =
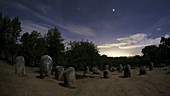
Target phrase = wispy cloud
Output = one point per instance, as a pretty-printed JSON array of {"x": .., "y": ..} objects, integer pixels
[
  {"x": 111, "y": 45},
  {"x": 81, "y": 30},
  {"x": 29, "y": 26},
  {"x": 21, "y": 6},
  {"x": 134, "y": 41},
  {"x": 71, "y": 27}
]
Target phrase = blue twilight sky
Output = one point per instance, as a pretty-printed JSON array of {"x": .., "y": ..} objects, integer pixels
[{"x": 117, "y": 27}]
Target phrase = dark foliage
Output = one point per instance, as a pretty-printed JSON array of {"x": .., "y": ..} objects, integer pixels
[{"x": 10, "y": 29}]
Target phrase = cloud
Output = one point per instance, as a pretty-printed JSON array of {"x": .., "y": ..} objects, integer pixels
[
  {"x": 133, "y": 41},
  {"x": 158, "y": 29},
  {"x": 81, "y": 30},
  {"x": 167, "y": 36},
  {"x": 44, "y": 8},
  {"x": 71, "y": 27},
  {"x": 29, "y": 26},
  {"x": 117, "y": 53},
  {"x": 111, "y": 45}
]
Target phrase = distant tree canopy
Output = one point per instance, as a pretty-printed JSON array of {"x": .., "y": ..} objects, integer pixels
[{"x": 78, "y": 54}]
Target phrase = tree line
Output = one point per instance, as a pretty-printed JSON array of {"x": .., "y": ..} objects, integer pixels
[{"x": 79, "y": 54}]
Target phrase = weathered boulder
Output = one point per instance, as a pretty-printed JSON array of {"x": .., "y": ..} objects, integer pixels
[
  {"x": 142, "y": 70},
  {"x": 70, "y": 77},
  {"x": 127, "y": 71},
  {"x": 46, "y": 64},
  {"x": 95, "y": 70},
  {"x": 20, "y": 66},
  {"x": 59, "y": 73},
  {"x": 151, "y": 66},
  {"x": 105, "y": 74}
]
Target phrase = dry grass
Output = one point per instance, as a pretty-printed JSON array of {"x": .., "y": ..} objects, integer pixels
[{"x": 155, "y": 83}]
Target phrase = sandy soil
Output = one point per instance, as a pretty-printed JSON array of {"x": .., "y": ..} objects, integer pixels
[{"x": 155, "y": 83}]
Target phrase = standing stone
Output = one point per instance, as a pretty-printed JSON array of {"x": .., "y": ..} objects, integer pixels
[
  {"x": 142, "y": 70},
  {"x": 112, "y": 69},
  {"x": 46, "y": 64},
  {"x": 70, "y": 77},
  {"x": 127, "y": 71},
  {"x": 96, "y": 70},
  {"x": 87, "y": 69},
  {"x": 120, "y": 68},
  {"x": 105, "y": 74},
  {"x": 151, "y": 66},
  {"x": 59, "y": 73},
  {"x": 20, "y": 66},
  {"x": 106, "y": 67}
]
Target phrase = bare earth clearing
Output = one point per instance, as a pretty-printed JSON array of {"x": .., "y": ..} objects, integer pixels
[{"x": 155, "y": 83}]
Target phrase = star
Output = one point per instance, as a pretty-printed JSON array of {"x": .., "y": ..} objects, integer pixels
[{"x": 113, "y": 10}]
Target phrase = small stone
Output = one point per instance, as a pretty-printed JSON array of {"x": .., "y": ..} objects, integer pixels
[
  {"x": 120, "y": 69},
  {"x": 151, "y": 66}
]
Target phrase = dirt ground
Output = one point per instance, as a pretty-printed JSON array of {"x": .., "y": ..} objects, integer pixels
[{"x": 155, "y": 83}]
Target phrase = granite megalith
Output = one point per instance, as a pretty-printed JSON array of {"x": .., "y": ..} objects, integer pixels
[
  {"x": 46, "y": 64},
  {"x": 20, "y": 66}
]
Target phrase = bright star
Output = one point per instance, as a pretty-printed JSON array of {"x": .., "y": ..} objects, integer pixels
[{"x": 113, "y": 10}]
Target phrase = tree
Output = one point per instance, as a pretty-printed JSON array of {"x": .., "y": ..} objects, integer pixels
[
  {"x": 33, "y": 47},
  {"x": 164, "y": 49},
  {"x": 25, "y": 44},
  {"x": 55, "y": 46},
  {"x": 81, "y": 54},
  {"x": 13, "y": 36},
  {"x": 150, "y": 52},
  {"x": 9, "y": 33},
  {"x": 2, "y": 35}
]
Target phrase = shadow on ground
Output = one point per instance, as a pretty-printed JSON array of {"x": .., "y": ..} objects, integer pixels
[
  {"x": 82, "y": 77},
  {"x": 62, "y": 84},
  {"x": 168, "y": 73}
]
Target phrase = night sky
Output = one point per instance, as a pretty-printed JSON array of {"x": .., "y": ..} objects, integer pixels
[{"x": 117, "y": 27}]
